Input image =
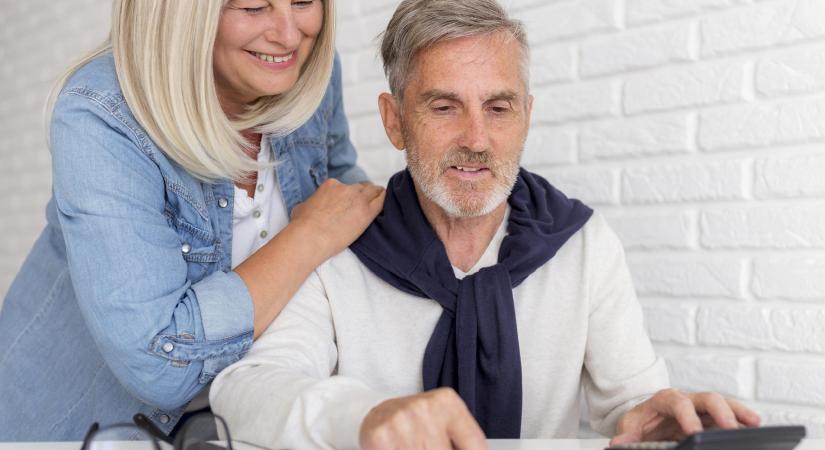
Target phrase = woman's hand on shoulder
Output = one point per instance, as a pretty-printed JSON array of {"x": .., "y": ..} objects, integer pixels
[
  {"x": 325, "y": 224},
  {"x": 337, "y": 213}
]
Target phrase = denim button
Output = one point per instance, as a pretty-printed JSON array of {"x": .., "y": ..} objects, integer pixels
[
  {"x": 164, "y": 419},
  {"x": 260, "y": 188},
  {"x": 264, "y": 234},
  {"x": 185, "y": 248},
  {"x": 223, "y": 203},
  {"x": 256, "y": 214},
  {"x": 168, "y": 347}
]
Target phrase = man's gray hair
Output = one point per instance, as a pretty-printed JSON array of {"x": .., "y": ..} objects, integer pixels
[{"x": 419, "y": 24}]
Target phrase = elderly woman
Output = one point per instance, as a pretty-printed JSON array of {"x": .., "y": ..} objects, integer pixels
[{"x": 195, "y": 158}]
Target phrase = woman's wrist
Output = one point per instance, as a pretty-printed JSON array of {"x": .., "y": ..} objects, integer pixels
[{"x": 310, "y": 245}]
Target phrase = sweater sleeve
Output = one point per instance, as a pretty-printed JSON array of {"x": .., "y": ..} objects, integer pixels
[
  {"x": 621, "y": 368},
  {"x": 284, "y": 393}
]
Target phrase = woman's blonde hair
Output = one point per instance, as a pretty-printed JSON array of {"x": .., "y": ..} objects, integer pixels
[{"x": 163, "y": 57}]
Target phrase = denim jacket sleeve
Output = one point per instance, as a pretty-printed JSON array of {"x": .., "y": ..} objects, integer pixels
[
  {"x": 162, "y": 336},
  {"x": 342, "y": 156}
]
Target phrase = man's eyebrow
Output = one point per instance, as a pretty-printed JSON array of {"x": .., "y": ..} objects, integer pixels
[
  {"x": 503, "y": 95},
  {"x": 437, "y": 94}
]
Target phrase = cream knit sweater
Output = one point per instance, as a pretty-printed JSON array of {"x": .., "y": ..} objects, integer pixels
[{"x": 348, "y": 341}]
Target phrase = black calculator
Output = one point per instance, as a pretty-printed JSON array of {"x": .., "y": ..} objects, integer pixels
[{"x": 762, "y": 438}]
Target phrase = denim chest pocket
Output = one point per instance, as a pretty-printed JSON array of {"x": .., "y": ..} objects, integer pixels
[
  {"x": 198, "y": 247},
  {"x": 312, "y": 153}
]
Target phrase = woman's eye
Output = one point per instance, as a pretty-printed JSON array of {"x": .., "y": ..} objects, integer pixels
[
  {"x": 303, "y": 4},
  {"x": 257, "y": 10}
]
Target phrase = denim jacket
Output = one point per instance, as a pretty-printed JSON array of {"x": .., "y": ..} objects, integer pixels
[{"x": 127, "y": 302}]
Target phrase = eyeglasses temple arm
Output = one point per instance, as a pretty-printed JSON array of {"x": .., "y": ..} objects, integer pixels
[{"x": 92, "y": 430}]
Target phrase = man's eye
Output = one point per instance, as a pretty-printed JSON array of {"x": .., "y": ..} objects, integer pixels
[
  {"x": 442, "y": 108},
  {"x": 499, "y": 108}
]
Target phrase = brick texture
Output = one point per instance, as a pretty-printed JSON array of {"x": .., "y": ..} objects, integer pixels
[
  {"x": 714, "y": 180},
  {"x": 789, "y": 278},
  {"x": 730, "y": 376},
  {"x": 655, "y": 230},
  {"x": 693, "y": 278},
  {"x": 645, "y": 136},
  {"x": 684, "y": 87},
  {"x": 38, "y": 40},
  {"x": 791, "y": 381},
  {"x": 696, "y": 126}
]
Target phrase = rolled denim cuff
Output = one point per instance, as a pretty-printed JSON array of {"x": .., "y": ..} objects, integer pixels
[
  {"x": 226, "y": 314},
  {"x": 225, "y": 305}
]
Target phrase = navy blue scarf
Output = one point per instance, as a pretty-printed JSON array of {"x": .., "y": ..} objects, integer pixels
[{"x": 474, "y": 347}]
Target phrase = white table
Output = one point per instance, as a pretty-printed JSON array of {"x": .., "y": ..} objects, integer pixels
[{"x": 525, "y": 444}]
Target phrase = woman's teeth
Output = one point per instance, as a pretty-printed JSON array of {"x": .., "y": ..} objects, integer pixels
[{"x": 274, "y": 59}]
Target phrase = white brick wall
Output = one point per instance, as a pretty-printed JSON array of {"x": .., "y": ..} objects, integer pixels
[
  {"x": 696, "y": 126},
  {"x": 38, "y": 40}
]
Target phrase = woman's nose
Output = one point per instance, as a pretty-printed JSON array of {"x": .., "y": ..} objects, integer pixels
[{"x": 282, "y": 29}]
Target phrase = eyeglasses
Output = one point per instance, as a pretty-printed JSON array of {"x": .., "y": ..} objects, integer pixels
[{"x": 204, "y": 431}]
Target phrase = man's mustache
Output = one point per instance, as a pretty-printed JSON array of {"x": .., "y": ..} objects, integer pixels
[{"x": 465, "y": 157}]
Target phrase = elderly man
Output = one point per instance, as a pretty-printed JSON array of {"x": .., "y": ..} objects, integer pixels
[{"x": 481, "y": 301}]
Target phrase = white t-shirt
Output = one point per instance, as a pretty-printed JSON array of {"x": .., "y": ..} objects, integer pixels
[{"x": 256, "y": 220}]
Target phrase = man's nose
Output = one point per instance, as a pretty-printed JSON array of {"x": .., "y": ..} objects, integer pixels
[
  {"x": 282, "y": 29},
  {"x": 474, "y": 136}
]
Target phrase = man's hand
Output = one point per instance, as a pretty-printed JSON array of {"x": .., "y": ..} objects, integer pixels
[
  {"x": 436, "y": 419},
  {"x": 673, "y": 415}
]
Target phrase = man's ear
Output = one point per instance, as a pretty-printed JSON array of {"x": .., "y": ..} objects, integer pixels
[
  {"x": 391, "y": 116},
  {"x": 529, "y": 108},
  {"x": 528, "y": 114}
]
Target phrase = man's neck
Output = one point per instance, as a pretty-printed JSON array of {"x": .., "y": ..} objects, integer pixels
[{"x": 464, "y": 238}]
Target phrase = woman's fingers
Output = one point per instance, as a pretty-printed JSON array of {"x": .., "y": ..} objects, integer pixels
[
  {"x": 370, "y": 190},
  {"x": 377, "y": 203},
  {"x": 338, "y": 213}
]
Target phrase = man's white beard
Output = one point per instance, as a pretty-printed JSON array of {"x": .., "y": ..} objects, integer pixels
[
  {"x": 440, "y": 195},
  {"x": 433, "y": 187}
]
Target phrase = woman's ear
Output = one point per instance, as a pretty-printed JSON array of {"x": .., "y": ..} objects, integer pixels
[{"x": 391, "y": 116}]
